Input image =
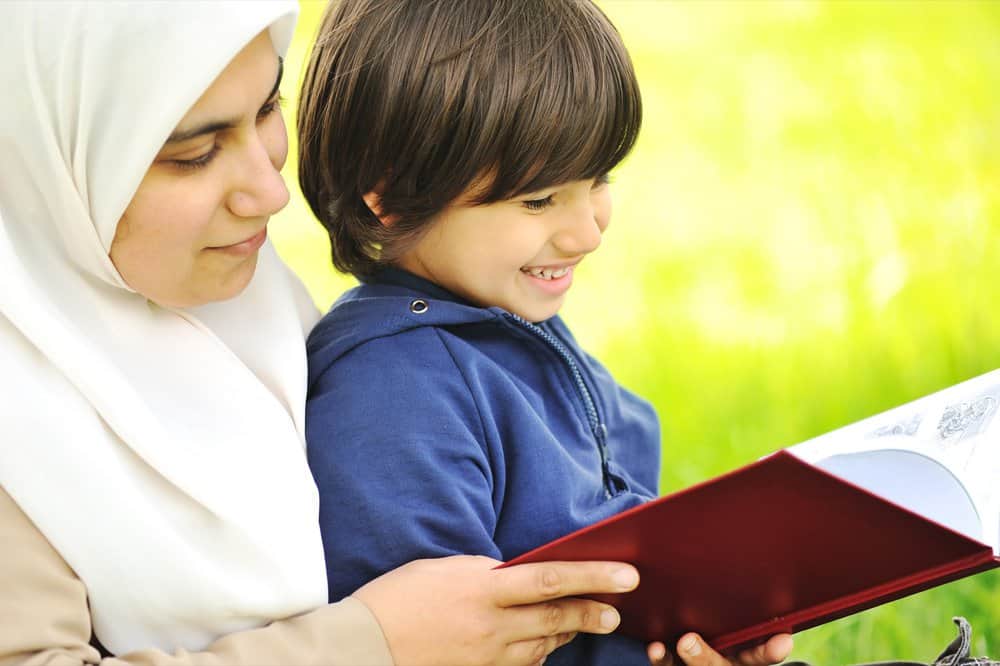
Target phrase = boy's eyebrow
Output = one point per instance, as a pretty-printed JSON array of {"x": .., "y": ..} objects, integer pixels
[{"x": 180, "y": 135}]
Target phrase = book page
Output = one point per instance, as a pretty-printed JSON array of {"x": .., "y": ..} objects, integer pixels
[{"x": 938, "y": 455}]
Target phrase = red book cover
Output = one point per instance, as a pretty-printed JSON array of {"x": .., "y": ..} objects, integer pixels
[{"x": 779, "y": 545}]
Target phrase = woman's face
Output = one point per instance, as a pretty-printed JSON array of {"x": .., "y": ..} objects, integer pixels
[{"x": 192, "y": 231}]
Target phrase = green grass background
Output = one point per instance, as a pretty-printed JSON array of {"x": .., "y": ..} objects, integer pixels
[{"x": 807, "y": 233}]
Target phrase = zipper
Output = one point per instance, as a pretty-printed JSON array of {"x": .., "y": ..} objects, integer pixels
[{"x": 597, "y": 427}]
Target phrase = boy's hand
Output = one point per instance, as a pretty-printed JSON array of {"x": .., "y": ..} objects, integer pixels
[{"x": 693, "y": 651}]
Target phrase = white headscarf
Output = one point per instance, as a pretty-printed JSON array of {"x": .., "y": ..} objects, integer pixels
[{"x": 160, "y": 451}]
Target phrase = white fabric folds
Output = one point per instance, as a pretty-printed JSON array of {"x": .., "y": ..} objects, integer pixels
[{"x": 160, "y": 451}]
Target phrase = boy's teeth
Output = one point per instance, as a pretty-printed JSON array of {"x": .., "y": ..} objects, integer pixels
[{"x": 547, "y": 273}]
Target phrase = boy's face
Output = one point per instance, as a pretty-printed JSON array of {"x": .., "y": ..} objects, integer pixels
[{"x": 518, "y": 254}]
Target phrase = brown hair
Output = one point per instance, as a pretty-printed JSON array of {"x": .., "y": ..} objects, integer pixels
[{"x": 419, "y": 99}]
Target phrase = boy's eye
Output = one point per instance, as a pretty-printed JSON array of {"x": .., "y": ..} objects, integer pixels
[{"x": 538, "y": 204}]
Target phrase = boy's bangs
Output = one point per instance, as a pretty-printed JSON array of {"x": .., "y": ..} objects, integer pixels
[{"x": 577, "y": 116}]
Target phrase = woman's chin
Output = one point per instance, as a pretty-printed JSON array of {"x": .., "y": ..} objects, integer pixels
[{"x": 204, "y": 291}]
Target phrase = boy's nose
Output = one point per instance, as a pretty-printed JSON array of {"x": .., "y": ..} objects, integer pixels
[{"x": 581, "y": 233}]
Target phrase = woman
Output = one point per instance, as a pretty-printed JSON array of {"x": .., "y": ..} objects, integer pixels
[{"x": 154, "y": 497}]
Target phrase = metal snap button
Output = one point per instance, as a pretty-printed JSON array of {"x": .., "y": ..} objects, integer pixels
[{"x": 418, "y": 306}]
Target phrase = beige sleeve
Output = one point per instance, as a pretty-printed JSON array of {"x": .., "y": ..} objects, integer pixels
[{"x": 44, "y": 619}]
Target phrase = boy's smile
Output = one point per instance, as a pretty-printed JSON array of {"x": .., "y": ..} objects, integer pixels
[
  {"x": 548, "y": 272},
  {"x": 553, "y": 280},
  {"x": 518, "y": 254}
]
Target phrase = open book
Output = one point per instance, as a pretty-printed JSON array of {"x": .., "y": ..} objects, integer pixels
[{"x": 891, "y": 505}]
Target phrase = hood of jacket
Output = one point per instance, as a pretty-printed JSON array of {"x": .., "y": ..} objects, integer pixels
[{"x": 391, "y": 303}]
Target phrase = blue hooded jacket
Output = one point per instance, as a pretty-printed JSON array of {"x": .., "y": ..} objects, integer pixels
[{"x": 436, "y": 427}]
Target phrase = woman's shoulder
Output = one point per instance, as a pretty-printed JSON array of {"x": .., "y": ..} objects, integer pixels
[
  {"x": 45, "y": 611},
  {"x": 44, "y": 602}
]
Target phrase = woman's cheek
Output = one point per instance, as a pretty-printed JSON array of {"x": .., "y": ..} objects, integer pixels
[{"x": 276, "y": 139}]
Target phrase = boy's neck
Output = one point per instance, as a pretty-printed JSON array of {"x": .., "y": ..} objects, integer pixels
[{"x": 401, "y": 277}]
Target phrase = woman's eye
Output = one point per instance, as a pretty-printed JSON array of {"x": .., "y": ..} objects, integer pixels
[
  {"x": 538, "y": 204},
  {"x": 270, "y": 107},
  {"x": 198, "y": 162}
]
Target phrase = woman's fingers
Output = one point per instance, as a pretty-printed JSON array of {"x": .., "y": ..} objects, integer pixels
[
  {"x": 562, "y": 616},
  {"x": 533, "y": 583},
  {"x": 528, "y": 653},
  {"x": 534, "y": 651},
  {"x": 462, "y": 609}
]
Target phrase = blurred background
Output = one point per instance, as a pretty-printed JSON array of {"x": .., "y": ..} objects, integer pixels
[{"x": 807, "y": 233}]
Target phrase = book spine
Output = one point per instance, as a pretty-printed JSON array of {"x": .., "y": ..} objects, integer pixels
[{"x": 853, "y": 603}]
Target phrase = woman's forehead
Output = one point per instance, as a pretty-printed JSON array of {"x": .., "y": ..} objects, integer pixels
[{"x": 247, "y": 82}]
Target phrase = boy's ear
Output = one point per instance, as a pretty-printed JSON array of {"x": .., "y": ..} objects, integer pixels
[{"x": 374, "y": 202}]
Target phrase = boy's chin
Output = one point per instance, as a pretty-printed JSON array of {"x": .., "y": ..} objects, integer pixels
[{"x": 538, "y": 313}]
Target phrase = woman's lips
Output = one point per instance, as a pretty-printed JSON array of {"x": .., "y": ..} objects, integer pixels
[{"x": 246, "y": 247}]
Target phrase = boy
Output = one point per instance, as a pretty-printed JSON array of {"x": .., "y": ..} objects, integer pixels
[{"x": 457, "y": 153}]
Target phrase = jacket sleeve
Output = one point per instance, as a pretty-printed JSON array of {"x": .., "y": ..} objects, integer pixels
[
  {"x": 44, "y": 618},
  {"x": 396, "y": 444}
]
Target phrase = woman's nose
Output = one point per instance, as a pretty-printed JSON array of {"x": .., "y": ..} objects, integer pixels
[{"x": 260, "y": 191}]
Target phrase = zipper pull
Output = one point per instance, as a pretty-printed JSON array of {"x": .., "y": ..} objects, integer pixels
[
  {"x": 601, "y": 432},
  {"x": 601, "y": 435}
]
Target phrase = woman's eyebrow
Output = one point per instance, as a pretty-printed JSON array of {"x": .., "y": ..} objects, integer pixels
[
  {"x": 208, "y": 128},
  {"x": 180, "y": 135},
  {"x": 277, "y": 81}
]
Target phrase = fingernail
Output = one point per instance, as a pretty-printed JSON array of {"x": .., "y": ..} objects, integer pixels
[
  {"x": 610, "y": 618},
  {"x": 690, "y": 646},
  {"x": 626, "y": 579}
]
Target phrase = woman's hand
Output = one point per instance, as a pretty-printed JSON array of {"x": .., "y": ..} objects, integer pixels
[
  {"x": 460, "y": 610},
  {"x": 693, "y": 651}
]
